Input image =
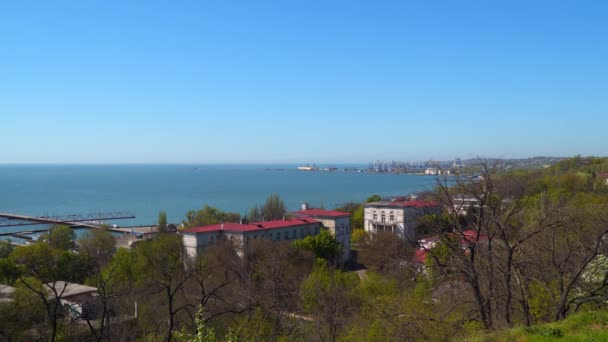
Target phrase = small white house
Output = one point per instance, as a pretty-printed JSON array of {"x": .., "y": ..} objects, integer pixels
[{"x": 80, "y": 301}]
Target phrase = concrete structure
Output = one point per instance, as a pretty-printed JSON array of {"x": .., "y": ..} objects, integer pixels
[
  {"x": 241, "y": 233},
  {"x": 80, "y": 301},
  {"x": 337, "y": 222},
  {"x": 435, "y": 171},
  {"x": 398, "y": 217},
  {"x": 463, "y": 203},
  {"x": 6, "y": 293},
  {"x": 432, "y": 171}
]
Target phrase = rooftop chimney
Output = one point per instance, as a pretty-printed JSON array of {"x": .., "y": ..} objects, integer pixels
[{"x": 304, "y": 206}]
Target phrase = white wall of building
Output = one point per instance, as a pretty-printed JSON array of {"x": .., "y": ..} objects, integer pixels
[
  {"x": 402, "y": 221},
  {"x": 340, "y": 228},
  {"x": 194, "y": 242}
]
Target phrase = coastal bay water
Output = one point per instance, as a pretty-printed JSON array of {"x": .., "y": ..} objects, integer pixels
[{"x": 145, "y": 190}]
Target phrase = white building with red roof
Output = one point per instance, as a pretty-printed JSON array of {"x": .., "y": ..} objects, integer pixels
[
  {"x": 337, "y": 222},
  {"x": 241, "y": 233},
  {"x": 398, "y": 217}
]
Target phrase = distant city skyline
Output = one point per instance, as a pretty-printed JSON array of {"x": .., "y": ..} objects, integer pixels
[
  {"x": 307, "y": 163},
  {"x": 326, "y": 82}
]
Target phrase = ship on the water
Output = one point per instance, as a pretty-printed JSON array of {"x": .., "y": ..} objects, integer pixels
[{"x": 308, "y": 168}]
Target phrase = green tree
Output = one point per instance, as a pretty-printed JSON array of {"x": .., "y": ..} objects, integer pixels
[
  {"x": 349, "y": 207},
  {"x": 330, "y": 295},
  {"x": 356, "y": 219},
  {"x": 162, "y": 222},
  {"x": 323, "y": 245},
  {"x": 30, "y": 312},
  {"x": 99, "y": 244},
  {"x": 161, "y": 271},
  {"x": 5, "y": 248},
  {"x": 358, "y": 236},
  {"x": 433, "y": 224},
  {"x": 254, "y": 215},
  {"x": 374, "y": 198},
  {"x": 273, "y": 208},
  {"x": 38, "y": 260},
  {"x": 39, "y": 266},
  {"x": 61, "y": 237},
  {"x": 8, "y": 271},
  {"x": 209, "y": 215},
  {"x": 387, "y": 253},
  {"x": 74, "y": 267},
  {"x": 276, "y": 271}
]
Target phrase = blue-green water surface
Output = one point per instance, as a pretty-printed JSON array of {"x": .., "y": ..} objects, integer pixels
[{"x": 147, "y": 189}]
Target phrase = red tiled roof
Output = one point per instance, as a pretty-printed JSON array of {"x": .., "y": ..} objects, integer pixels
[
  {"x": 216, "y": 227},
  {"x": 321, "y": 213},
  {"x": 420, "y": 255},
  {"x": 248, "y": 227},
  {"x": 470, "y": 236},
  {"x": 603, "y": 174},
  {"x": 283, "y": 223}
]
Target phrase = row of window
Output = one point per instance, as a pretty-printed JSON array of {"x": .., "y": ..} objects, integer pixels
[
  {"x": 277, "y": 236},
  {"x": 391, "y": 217},
  {"x": 286, "y": 235},
  {"x": 342, "y": 229}
]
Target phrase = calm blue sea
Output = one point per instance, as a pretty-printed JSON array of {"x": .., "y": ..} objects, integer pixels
[{"x": 147, "y": 189}]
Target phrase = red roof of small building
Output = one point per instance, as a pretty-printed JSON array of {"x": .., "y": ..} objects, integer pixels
[
  {"x": 603, "y": 174},
  {"x": 283, "y": 223},
  {"x": 420, "y": 255},
  {"x": 249, "y": 227},
  {"x": 321, "y": 213},
  {"x": 471, "y": 236}
]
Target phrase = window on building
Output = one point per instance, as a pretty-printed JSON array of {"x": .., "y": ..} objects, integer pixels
[
  {"x": 284, "y": 235},
  {"x": 391, "y": 216},
  {"x": 375, "y": 216},
  {"x": 383, "y": 217}
]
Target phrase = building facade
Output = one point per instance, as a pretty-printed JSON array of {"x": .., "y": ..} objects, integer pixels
[
  {"x": 337, "y": 222},
  {"x": 241, "y": 233},
  {"x": 398, "y": 217}
]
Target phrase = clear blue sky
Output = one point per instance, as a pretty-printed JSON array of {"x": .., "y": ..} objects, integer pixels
[{"x": 301, "y": 81}]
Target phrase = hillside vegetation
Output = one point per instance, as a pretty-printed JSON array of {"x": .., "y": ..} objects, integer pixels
[
  {"x": 583, "y": 326},
  {"x": 524, "y": 258}
]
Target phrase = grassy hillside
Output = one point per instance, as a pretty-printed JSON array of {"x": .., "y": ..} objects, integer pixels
[{"x": 586, "y": 326}]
